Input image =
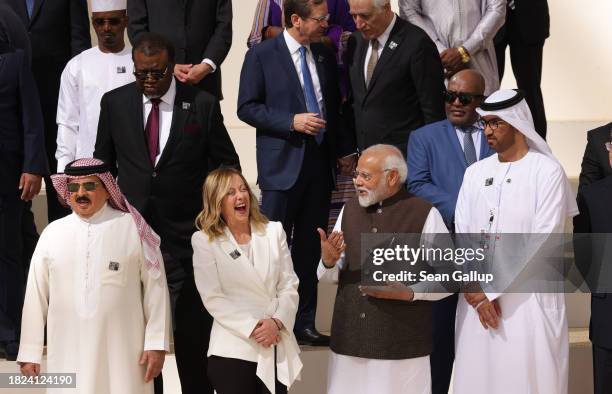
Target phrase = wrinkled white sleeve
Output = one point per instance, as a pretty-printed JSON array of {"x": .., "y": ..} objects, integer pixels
[
  {"x": 287, "y": 286},
  {"x": 426, "y": 291},
  {"x": 35, "y": 307},
  {"x": 411, "y": 10},
  {"x": 156, "y": 304},
  {"x": 492, "y": 20},
  {"x": 330, "y": 275},
  {"x": 68, "y": 114}
]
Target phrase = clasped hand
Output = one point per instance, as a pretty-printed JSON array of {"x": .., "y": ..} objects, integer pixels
[{"x": 266, "y": 333}]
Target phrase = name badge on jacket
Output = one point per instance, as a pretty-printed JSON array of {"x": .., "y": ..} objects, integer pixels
[
  {"x": 120, "y": 69},
  {"x": 235, "y": 254},
  {"x": 113, "y": 266}
]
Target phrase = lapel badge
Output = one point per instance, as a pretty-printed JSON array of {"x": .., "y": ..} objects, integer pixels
[
  {"x": 120, "y": 69},
  {"x": 113, "y": 266},
  {"x": 488, "y": 181},
  {"x": 392, "y": 45},
  {"x": 321, "y": 58},
  {"x": 186, "y": 106},
  {"x": 235, "y": 254}
]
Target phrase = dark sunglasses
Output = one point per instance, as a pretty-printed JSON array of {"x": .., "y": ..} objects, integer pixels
[
  {"x": 155, "y": 75},
  {"x": 102, "y": 21},
  {"x": 464, "y": 98},
  {"x": 74, "y": 187}
]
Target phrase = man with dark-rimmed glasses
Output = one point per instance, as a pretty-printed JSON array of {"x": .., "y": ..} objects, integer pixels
[
  {"x": 438, "y": 155},
  {"x": 162, "y": 137},
  {"x": 87, "y": 77}
]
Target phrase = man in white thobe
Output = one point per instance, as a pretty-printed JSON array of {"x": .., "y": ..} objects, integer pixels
[
  {"x": 87, "y": 77},
  {"x": 463, "y": 32},
  {"x": 97, "y": 282},
  {"x": 378, "y": 345},
  {"x": 510, "y": 341}
]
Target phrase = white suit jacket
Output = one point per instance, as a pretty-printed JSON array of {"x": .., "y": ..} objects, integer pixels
[{"x": 238, "y": 294}]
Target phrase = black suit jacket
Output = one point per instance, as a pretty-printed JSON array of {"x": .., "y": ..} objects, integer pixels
[
  {"x": 528, "y": 23},
  {"x": 593, "y": 255},
  {"x": 22, "y": 147},
  {"x": 596, "y": 162},
  {"x": 405, "y": 92},
  {"x": 199, "y": 29},
  {"x": 169, "y": 195},
  {"x": 58, "y": 30}
]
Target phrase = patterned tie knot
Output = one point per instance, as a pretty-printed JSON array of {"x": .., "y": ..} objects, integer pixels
[
  {"x": 155, "y": 101},
  {"x": 468, "y": 129},
  {"x": 303, "y": 51},
  {"x": 375, "y": 44}
]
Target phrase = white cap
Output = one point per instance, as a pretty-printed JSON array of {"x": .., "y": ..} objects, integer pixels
[{"x": 108, "y": 5}]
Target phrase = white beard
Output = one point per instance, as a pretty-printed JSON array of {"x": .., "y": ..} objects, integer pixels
[{"x": 371, "y": 198}]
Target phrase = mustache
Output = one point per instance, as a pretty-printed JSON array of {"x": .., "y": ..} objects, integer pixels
[{"x": 81, "y": 199}]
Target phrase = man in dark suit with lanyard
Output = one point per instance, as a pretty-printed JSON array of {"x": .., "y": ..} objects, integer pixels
[
  {"x": 162, "y": 138},
  {"x": 58, "y": 30}
]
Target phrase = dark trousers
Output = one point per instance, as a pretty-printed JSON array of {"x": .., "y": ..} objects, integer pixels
[
  {"x": 602, "y": 370},
  {"x": 302, "y": 209},
  {"x": 191, "y": 337},
  {"x": 18, "y": 239},
  {"x": 443, "y": 354},
  {"x": 47, "y": 73},
  {"x": 234, "y": 376},
  {"x": 527, "y": 68}
]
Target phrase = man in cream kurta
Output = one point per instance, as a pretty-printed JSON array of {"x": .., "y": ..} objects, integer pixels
[
  {"x": 522, "y": 189},
  {"x": 467, "y": 24},
  {"x": 87, "y": 77},
  {"x": 379, "y": 181},
  {"x": 97, "y": 281}
]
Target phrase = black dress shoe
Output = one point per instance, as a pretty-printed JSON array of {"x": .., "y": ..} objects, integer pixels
[{"x": 311, "y": 337}]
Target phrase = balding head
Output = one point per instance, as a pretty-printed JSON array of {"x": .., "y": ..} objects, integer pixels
[
  {"x": 466, "y": 92},
  {"x": 382, "y": 172}
]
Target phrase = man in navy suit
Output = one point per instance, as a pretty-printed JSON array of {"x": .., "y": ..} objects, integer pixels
[
  {"x": 289, "y": 92},
  {"x": 23, "y": 163},
  {"x": 438, "y": 155}
]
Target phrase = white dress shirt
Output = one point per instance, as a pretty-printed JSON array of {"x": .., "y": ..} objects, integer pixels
[
  {"x": 294, "y": 51},
  {"x": 382, "y": 41},
  {"x": 166, "y": 106},
  {"x": 476, "y": 137}
]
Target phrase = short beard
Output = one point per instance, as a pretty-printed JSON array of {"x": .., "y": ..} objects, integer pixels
[{"x": 371, "y": 198}]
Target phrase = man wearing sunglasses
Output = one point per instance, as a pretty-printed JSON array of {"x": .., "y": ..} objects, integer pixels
[
  {"x": 87, "y": 77},
  {"x": 97, "y": 278},
  {"x": 438, "y": 155},
  {"x": 162, "y": 137}
]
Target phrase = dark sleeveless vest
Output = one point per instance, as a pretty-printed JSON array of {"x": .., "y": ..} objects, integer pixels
[{"x": 373, "y": 328}]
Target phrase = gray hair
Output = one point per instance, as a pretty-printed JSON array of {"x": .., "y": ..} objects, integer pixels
[
  {"x": 378, "y": 4},
  {"x": 393, "y": 158}
]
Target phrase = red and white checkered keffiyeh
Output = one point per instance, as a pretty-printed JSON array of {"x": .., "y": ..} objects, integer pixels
[{"x": 82, "y": 168}]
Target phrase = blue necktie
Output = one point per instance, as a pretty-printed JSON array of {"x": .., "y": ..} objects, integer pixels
[
  {"x": 312, "y": 105},
  {"x": 469, "y": 150},
  {"x": 30, "y": 7}
]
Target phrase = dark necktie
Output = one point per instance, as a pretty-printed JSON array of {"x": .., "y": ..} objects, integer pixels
[
  {"x": 152, "y": 130},
  {"x": 30, "y": 7},
  {"x": 469, "y": 150},
  {"x": 312, "y": 104}
]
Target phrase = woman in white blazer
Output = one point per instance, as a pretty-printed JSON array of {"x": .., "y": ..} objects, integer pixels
[{"x": 244, "y": 274}]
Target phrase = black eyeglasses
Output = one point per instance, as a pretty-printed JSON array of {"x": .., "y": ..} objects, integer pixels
[
  {"x": 366, "y": 176},
  {"x": 464, "y": 98},
  {"x": 155, "y": 75},
  {"x": 492, "y": 124},
  {"x": 74, "y": 187},
  {"x": 320, "y": 19},
  {"x": 102, "y": 21}
]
